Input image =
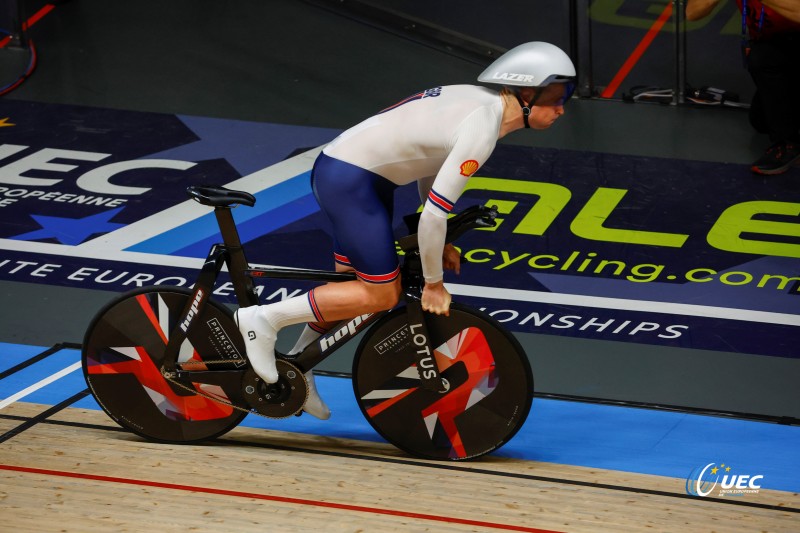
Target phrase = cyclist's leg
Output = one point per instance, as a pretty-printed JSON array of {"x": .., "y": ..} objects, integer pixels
[
  {"x": 356, "y": 201},
  {"x": 259, "y": 326},
  {"x": 312, "y": 331},
  {"x": 358, "y": 204},
  {"x": 367, "y": 205},
  {"x": 314, "y": 405}
]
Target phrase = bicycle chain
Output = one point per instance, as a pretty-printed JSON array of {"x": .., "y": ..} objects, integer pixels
[
  {"x": 220, "y": 400},
  {"x": 213, "y": 399},
  {"x": 229, "y": 361}
]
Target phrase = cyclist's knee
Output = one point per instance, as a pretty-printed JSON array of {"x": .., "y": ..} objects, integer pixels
[
  {"x": 395, "y": 293},
  {"x": 384, "y": 295}
]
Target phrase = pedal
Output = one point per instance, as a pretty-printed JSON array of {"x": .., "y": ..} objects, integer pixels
[{"x": 281, "y": 399}]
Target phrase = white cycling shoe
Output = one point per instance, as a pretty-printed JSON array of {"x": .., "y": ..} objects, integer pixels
[
  {"x": 314, "y": 405},
  {"x": 259, "y": 341}
]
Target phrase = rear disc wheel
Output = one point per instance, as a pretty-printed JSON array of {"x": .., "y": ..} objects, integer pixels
[{"x": 124, "y": 349}]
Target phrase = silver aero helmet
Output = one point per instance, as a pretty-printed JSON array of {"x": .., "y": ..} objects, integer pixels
[{"x": 534, "y": 64}]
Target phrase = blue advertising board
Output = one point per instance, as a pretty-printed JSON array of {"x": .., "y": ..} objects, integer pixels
[{"x": 589, "y": 245}]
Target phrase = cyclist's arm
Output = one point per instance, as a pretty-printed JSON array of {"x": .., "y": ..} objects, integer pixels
[
  {"x": 424, "y": 186},
  {"x": 789, "y": 9},
  {"x": 432, "y": 232},
  {"x": 698, "y": 9},
  {"x": 476, "y": 139}
]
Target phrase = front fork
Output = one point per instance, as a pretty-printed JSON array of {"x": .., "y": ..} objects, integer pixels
[{"x": 426, "y": 361}]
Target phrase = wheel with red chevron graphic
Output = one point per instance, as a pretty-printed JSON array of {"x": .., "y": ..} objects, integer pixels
[
  {"x": 123, "y": 352},
  {"x": 490, "y": 385}
]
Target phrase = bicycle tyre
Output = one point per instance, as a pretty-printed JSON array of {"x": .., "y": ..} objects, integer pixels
[
  {"x": 490, "y": 394},
  {"x": 123, "y": 351}
]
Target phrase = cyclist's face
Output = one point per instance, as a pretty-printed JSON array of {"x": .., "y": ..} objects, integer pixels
[{"x": 548, "y": 107}]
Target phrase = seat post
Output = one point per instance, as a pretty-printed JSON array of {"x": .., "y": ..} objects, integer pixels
[
  {"x": 227, "y": 227},
  {"x": 237, "y": 262}
]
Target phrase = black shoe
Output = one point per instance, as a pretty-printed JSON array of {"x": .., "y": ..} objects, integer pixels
[{"x": 778, "y": 158}]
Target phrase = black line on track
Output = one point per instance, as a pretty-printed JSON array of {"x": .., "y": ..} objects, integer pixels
[
  {"x": 450, "y": 467},
  {"x": 82, "y": 425},
  {"x": 36, "y": 358},
  {"x": 632, "y": 404},
  {"x": 421, "y": 464},
  {"x": 41, "y": 417}
]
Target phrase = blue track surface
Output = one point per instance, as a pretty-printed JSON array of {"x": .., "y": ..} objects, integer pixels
[{"x": 598, "y": 436}]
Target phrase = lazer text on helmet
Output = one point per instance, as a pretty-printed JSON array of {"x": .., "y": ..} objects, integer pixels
[{"x": 511, "y": 76}]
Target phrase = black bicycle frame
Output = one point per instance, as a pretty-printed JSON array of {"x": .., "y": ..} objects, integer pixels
[
  {"x": 231, "y": 254},
  {"x": 346, "y": 330}
]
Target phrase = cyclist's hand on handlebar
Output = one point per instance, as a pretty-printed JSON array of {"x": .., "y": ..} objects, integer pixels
[
  {"x": 451, "y": 258},
  {"x": 436, "y": 299}
]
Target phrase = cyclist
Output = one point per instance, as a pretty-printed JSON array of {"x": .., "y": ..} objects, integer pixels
[{"x": 438, "y": 138}]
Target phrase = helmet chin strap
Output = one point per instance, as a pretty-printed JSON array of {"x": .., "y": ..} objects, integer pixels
[{"x": 526, "y": 109}]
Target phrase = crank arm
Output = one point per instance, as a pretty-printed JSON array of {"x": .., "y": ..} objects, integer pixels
[{"x": 222, "y": 378}]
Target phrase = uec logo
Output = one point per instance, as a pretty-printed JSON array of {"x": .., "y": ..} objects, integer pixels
[{"x": 703, "y": 481}]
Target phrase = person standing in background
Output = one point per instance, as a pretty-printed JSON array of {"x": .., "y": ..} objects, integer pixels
[{"x": 771, "y": 48}]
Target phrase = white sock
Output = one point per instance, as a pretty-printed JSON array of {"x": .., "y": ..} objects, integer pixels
[
  {"x": 307, "y": 336},
  {"x": 290, "y": 311},
  {"x": 259, "y": 326}
]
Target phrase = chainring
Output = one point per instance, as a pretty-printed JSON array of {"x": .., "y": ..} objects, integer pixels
[{"x": 281, "y": 399}]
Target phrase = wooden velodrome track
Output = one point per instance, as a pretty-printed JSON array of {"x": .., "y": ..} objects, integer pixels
[{"x": 69, "y": 469}]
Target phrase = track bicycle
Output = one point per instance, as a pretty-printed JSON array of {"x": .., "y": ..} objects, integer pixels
[{"x": 169, "y": 364}]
